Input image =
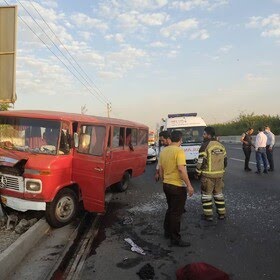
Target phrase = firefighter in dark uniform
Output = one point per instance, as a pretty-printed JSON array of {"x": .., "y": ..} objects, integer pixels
[
  {"x": 211, "y": 166},
  {"x": 247, "y": 145}
]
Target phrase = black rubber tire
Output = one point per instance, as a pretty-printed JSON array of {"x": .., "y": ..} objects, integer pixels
[
  {"x": 65, "y": 195},
  {"x": 123, "y": 185}
]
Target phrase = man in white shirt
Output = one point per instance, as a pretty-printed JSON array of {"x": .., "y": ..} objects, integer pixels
[
  {"x": 260, "y": 147},
  {"x": 269, "y": 147}
]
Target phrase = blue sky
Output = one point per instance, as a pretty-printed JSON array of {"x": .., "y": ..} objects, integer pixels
[{"x": 153, "y": 57}]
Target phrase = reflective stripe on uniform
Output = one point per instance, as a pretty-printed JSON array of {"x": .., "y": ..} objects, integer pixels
[
  {"x": 213, "y": 172},
  {"x": 219, "y": 196},
  {"x": 220, "y": 202},
  {"x": 207, "y": 203},
  {"x": 206, "y": 197}
]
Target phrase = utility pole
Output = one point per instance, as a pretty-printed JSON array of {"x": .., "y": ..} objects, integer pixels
[
  {"x": 83, "y": 109},
  {"x": 109, "y": 109}
]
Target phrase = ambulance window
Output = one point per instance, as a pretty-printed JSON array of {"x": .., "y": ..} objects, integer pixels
[
  {"x": 92, "y": 140},
  {"x": 142, "y": 137},
  {"x": 118, "y": 137}
]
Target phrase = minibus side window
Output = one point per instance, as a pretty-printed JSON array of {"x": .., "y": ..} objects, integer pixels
[
  {"x": 128, "y": 137},
  {"x": 65, "y": 140},
  {"x": 131, "y": 137},
  {"x": 109, "y": 138},
  {"x": 118, "y": 137},
  {"x": 142, "y": 137},
  {"x": 92, "y": 140},
  {"x": 134, "y": 137}
]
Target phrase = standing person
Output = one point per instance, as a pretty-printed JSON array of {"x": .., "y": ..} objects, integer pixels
[
  {"x": 246, "y": 139},
  {"x": 211, "y": 165},
  {"x": 260, "y": 147},
  {"x": 172, "y": 169},
  {"x": 164, "y": 139},
  {"x": 269, "y": 147}
]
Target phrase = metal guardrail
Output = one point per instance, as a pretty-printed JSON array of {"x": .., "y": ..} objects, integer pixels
[{"x": 236, "y": 139}]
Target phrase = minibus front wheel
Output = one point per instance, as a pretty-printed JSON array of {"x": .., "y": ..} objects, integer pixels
[
  {"x": 62, "y": 209},
  {"x": 122, "y": 186}
]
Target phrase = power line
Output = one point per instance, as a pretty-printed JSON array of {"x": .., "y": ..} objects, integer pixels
[
  {"x": 68, "y": 51},
  {"x": 65, "y": 65},
  {"x": 60, "y": 50}
]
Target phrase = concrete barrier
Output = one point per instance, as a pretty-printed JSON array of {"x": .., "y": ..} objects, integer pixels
[
  {"x": 14, "y": 254},
  {"x": 236, "y": 140}
]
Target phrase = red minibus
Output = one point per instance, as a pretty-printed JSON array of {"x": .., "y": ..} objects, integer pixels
[{"x": 51, "y": 161}]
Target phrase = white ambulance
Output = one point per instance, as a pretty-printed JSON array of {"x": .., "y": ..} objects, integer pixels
[{"x": 192, "y": 128}]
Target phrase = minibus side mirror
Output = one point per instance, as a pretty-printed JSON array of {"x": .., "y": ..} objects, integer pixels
[{"x": 76, "y": 140}]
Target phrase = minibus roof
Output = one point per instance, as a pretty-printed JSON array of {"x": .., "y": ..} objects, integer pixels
[{"x": 73, "y": 117}]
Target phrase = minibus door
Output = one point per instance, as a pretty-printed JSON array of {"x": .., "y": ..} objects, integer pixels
[{"x": 89, "y": 167}]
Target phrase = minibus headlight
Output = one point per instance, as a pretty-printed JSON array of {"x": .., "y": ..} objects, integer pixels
[{"x": 33, "y": 186}]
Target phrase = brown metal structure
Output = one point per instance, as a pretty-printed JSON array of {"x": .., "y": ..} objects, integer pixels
[{"x": 8, "y": 45}]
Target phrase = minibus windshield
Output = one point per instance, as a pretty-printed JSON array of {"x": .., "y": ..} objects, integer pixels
[
  {"x": 190, "y": 134},
  {"x": 29, "y": 135}
]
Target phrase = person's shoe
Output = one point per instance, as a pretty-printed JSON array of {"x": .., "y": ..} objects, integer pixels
[
  {"x": 179, "y": 243},
  {"x": 208, "y": 218},
  {"x": 166, "y": 235},
  {"x": 258, "y": 172},
  {"x": 270, "y": 170},
  {"x": 265, "y": 172},
  {"x": 248, "y": 169},
  {"x": 221, "y": 217}
]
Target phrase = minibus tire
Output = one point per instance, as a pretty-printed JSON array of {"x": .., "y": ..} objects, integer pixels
[
  {"x": 123, "y": 185},
  {"x": 63, "y": 196}
]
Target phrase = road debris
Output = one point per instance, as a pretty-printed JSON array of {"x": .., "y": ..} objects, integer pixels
[
  {"x": 147, "y": 272},
  {"x": 127, "y": 221},
  {"x": 134, "y": 247},
  {"x": 12, "y": 221}
]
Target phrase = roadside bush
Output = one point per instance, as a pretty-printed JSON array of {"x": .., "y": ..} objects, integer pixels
[{"x": 244, "y": 121}]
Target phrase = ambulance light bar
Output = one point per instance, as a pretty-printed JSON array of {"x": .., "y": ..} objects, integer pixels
[{"x": 182, "y": 115}]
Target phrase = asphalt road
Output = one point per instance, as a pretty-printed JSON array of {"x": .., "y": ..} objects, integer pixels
[{"x": 246, "y": 245}]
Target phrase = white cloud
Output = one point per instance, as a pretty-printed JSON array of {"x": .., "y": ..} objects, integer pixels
[
  {"x": 200, "y": 34},
  {"x": 134, "y": 19},
  {"x": 86, "y": 35},
  {"x": 254, "y": 78},
  {"x": 157, "y": 44},
  {"x": 50, "y": 3},
  {"x": 270, "y": 25},
  {"x": 118, "y": 37},
  {"x": 172, "y": 54},
  {"x": 176, "y": 29},
  {"x": 225, "y": 49},
  {"x": 146, "y": 4},
  {"x": 86, "y": 22},
  {"x": 203, "y": 4},
  {"x": 153, "y": 19},
  {"x": 109, "y": 75}
]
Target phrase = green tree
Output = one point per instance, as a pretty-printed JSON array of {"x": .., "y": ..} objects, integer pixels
[
  {"x": 4, "y": 106},
  {"x": 244, "y": 121}
]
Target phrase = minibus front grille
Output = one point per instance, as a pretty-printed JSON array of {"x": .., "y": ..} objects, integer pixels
[{"x": 10, "y": 182}]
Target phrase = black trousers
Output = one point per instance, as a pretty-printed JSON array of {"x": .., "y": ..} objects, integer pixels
[
  {"x": 247, "y": 153},
  {"x": 176, "y": 199},
  {"x": 269, "y": 154}
]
